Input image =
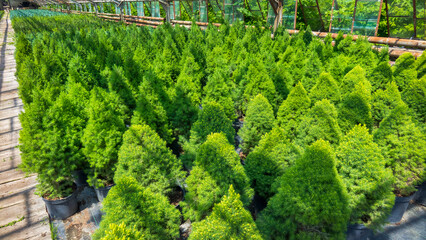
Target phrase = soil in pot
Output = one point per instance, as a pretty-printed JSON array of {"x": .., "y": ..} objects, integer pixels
[
  {"x": 62, "y": 208},
  {"x": 176, "y": 195},
  {"x": 358, "y": 232},
  {"x": 398, "y": 210},
  {"x": 102, "y": 192}
]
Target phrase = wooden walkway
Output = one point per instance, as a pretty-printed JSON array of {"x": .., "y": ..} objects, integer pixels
[{"x": 17, "y": 198}]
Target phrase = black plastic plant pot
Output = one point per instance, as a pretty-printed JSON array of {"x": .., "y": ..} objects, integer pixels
[
  {"x": 102, "y": 192},
  {"x": 80, "y": 178},
  {"x": 420, "y": 197},
  {"x": 358, "y": 232},
  {"x": 62, "y": 208},
  {"x": 398, "y": 210}
]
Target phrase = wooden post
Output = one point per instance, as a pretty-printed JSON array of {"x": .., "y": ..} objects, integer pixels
[
  {"x": 387, "y": 17},
  {"x": 353, "y": 17},
  {"x": 415, "y": 18},
  {"x": 331, "y": 17},
  {"x": 121, "y": 12},
  {"x": 303, "y": 12},
  {"x": 320, "y": 15},
  {"x": 378, "y": 18},
  {"x": 295, "y": 15}
]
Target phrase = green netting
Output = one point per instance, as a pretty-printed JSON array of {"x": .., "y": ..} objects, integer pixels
[
  {"x": 421, "y": 19},
  {"x": 155, "y": 9},
  {"x": 176, "y": 10},
  {"x": 216, "y": 6},
  {"x": 127, "y": 9},
  {"x": 140, "y": 9},
  {"x": 401, "y": 18},
  {"x": 229, "y": 13},
  {"x": 117, "y": 10},
  {"x": 342, "y": 16},
  {"x": 271, "y": 15},
  {"x": 255, "y": 8},
  {"x": 203, "y": 11},
  {"x": 102, "y": 8},
  {"x": 232, "y": 12},
  {"x": 196, "y": 10},
  {"x": 367, "y": 12},
  {"x": 85, "y": 7},
  {"x": 238, "y": 15},
  {"x": 172, "y": 11},
  {"x": 288, "y": 13}
]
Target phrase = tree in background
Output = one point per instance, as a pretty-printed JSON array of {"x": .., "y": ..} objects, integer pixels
[
  {"x": 145, "y": 157},
  {"x": 293, "y": 109},
  {"x": 228, "y": 220},
  {"x": 362, "y": 167},
  {"x": 103, "y": 135},
  {"x": 311, "y": 202},
  {"x": 143, "y": 211},
  {"x": 218, "y": 165},
  {"x": 404, "y": 146},
  {"x": 258, "y": 121}
]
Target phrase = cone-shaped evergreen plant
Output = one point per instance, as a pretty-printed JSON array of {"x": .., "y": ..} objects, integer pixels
[
  {"x": 325, "y": 88},
  {"x": 103, "y": 135},
  {"x": 404, "y": 147},
  {"x": 415, "y": 97},
  {"x": 311, "y": 202},
  {"x": 404, "y": 70},
  {"x": 218, "y": 90},
  {"x": 293, "y": 109},
  {"x": 258, "y": 121},
  {"x": 121, "y": 232},
  {"x": 229, "y": 220},
  {"x": 368, "y": 182},
  {"x": 120, "y": 84},
  {"x": 146, "y": 212},
  {"x": 352, "y": 78},
  {"x": 381, "y": 76},
  {"x": 268, "y": 161},
  {"x": 145, "y": 156},
  {"x": 384, "y": 101},
  {"x": 217, "y": 166},
  {"x": 355, "y": 108},
  {"x": 319, "y": 123}
]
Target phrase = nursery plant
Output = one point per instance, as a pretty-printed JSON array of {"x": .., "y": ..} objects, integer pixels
[
  {"x": 228, "y": 220},
  {"x": 311, "y": 200},
  {"x": 258, "y": 121},
  {"x": 54, "y": 150},
  {"x": 404, "y": 147},
  {"x": 145, "y": 157},
  {"x": 102, "y": 136},
  {"x": 368, "y": 182},
  {"x": 293, "y": 109},
  {"x": 143, "y": 212},
  {"x": 216, "y": 167},
  {"x": 269, "y": 160},
  {"x": 384, "y": 101},
  {"x": 325, "y": 88}
]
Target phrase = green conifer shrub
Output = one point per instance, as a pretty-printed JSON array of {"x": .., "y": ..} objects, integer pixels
[
  {"x": 121, "y": 232},
  {"x": 217, "y": 167},
  {"x": 404, "y": 147},
  {"x": 258, "y": 121},
  {"x": 380, "y": 76},
  {"x": 145, "y": 157},
  {"x": 356, "y": 108},
  {"x": 311, "y": 201},
  {"x": 218, "y": 90},
  {"x": 352, "y": 78},
  {"x": 293, "y": 109},
  {"x": 325, "y": 88},
  {"x": 319, "y": 123},
  {"x": 269, "y": 160},
  {"x": 144, "y": 212},
  {"x": 103, "y": 135},
  {"x": 55, "y": 149},
  {"x": 362, "y": 167},
  {"x": 415, "y": 97},
  {"x": 404, "y": 70},
  {"x": 384, "y": 101},
  {"x": 228, "y": 220},
  {"x": 120, "y": 84}
]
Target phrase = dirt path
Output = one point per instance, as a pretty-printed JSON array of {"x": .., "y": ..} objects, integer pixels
[{"x": 22, "y": 214}]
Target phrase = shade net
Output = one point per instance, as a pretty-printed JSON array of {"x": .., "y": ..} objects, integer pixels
[
  {"x": 401, "y": 22},
  {"x": 367, "y": 13}
]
